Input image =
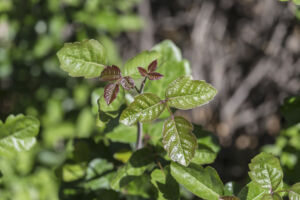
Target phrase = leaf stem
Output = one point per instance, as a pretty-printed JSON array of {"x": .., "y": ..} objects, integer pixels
[{"x": 139, "y": 139}]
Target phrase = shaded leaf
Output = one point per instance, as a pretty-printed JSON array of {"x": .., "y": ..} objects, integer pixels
[
  {"x": 152, "y": 66},
  {"x": 86, "y": 58},
  {"x": 294, "y": 192},
  {"x": 154, "y": 76},
  {"x": 17, "y": 134},
  {"x": 110, "y": 73},
  {"x": 145, "y": 107},
  {"x": 142, "y": 71},
  {"x": 166, "y": 185},
  {"x": 185, "y": 93},
  {"x": 127, "y": 82},
  {"x": 265, "y": 170},
  {"x": 122, "y": 133},
  {"x": 203, "y": 182},
  {"x": 111, "y": 91},
  {"x": 143, "y": 59},
  {"x": 178, "y": 140}
]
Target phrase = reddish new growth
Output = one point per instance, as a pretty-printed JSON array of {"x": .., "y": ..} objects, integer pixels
[
  {"x": 150, "y": 74},
  {"x": 111, "y": 90},
  {"x": 114, "y": 76}
]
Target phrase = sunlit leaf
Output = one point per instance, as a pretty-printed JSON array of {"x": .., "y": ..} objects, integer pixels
[
  {"x": 17, "y": 134},
  {"x": 294, "y": 192},
  {"x": 178, "y": 140},
  {"x": 229, "y": 198},
  {"x": 122, "y": 133},
  {"x": 110, "y": 73},
  {"x": 145, "y": 107},
  {"x": 185, "y": 93},
  {"x": 143, "y": 59},
  {"x": 203, "y": 182},
  {"x": 265, "y": 170},
  {"x": 86, "y": 58},
  {"x": 271, "y": 197},
  {"x": 204, "y": 155}
]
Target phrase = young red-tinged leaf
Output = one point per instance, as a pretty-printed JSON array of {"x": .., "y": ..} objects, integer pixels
[
  {"x": 152, "y": 66},
  {"x": 110, "y": 92},
  {"x": 154, "y": 76},
  {"x": 127, "y": 82},
  {"x": 142, "y": 71},
  {"x": 110, "y": 73}
]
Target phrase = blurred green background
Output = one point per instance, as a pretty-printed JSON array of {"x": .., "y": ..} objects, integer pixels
[{"x": 227, "y": 42}]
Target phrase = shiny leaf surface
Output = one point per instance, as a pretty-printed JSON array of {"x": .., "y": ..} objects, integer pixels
[
  {"x": 145, "y": 107},
  {"x": 265, "y": 170},
  {"x": 203, "y": 182},
  {"x": 110, "y": 73},
  {"x": 294, "y": 192},
  {"x": 17, "y": 134},
  {"x": 82, "y": 59},
  {"x": 185, "y": 93},
  {"x": 178, "y": 140},
  {"x": 204, "y": 155},
  {"x": 111, "y": 91}
]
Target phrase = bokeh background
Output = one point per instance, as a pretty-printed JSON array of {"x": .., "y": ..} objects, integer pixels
[{"x": 248, "y": 49}]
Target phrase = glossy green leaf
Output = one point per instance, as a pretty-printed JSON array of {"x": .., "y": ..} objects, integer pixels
[
  {"x": 203, "y": 182},
  {"x": 143, "y": 59},
  {"x": 178, "y": 140},
  {"x": 83, "y": 59},
  {"x": 139, "y": 162},
  {"x": 252, "y": 192},
  {"x": 170, "y": 65},
  {"x": 294, "y": 192},
  {"x": 271, "y": 197},
  {"x": 166, "y": 185},
  {"x": 17, "y": 134},
  {"x": 204, "y": 155},
  {"x": 145, "y": 108},
  {"x": 265, "y": 170},
  {"x": 185, "y": 93}
]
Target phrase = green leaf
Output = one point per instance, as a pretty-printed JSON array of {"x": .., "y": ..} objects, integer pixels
[
  {"x": 98, "y": 175},
  {"x": 166, "y": 185},
  {"x": 252, "y": 192},
  {"x": 17, "y": 134},
  {"x": 203, "y": 182},
  {"x": 139, "y": 162},
  {"x": 271, "y": 197},
  {"x": 265, "y": 170},
  {"x": 185, "y": 93},
  {"x": 294, "y": 192},
  {"x": 122, "y": 133},
  {"x": 291, "y": 109},
  {"x": 82, "y": 59},
  {"x": 143, "y": 59},
  {"x": 170, "y": 64},
  {"x": 178, "y": 140},
  {"x": 229, "y": 198},
  {"x": 204, "y": 155},
  {"x": 72, "y": 172},
  {"x": 145, "y": 108}
]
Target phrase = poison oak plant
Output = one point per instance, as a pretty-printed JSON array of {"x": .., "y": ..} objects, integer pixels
[{"x": 152, "y": 85}]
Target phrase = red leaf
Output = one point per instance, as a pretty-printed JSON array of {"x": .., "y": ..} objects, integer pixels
[
  {"x": 152, "y": 66},
  {"x": 142, "y": 71},
  {"x": 127, "y": 82},
  {"x": 155, "y": 76},
  {"x": 111, "y": 91},
  {"x": 110, "y": 73}
]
